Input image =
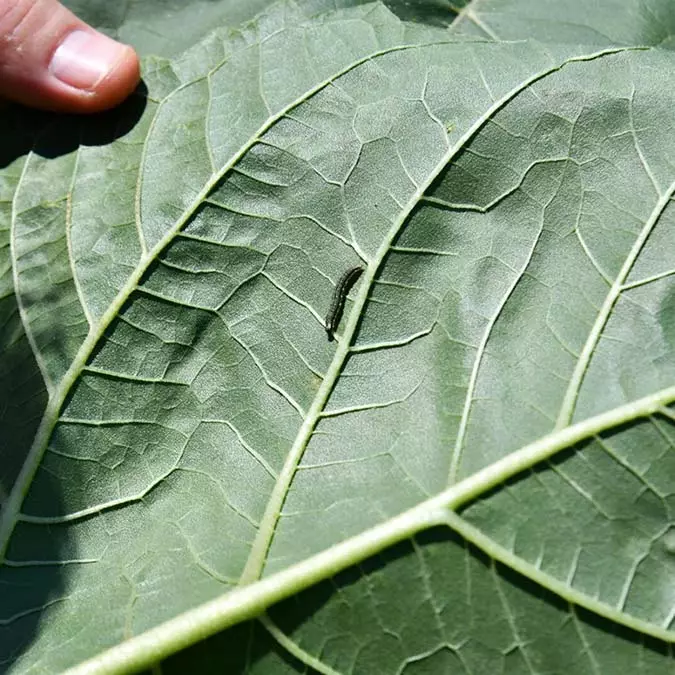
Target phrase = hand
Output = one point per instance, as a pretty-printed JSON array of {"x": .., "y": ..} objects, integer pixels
[{"x": 50, "y": 59}]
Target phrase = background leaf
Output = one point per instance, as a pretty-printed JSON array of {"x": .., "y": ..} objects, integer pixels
[
  {"x": 603, "y": 23},
  {"x": 503, "y": 369},
  {"x": 168, "y": 27},
  {"x": 164, "y": 27}
]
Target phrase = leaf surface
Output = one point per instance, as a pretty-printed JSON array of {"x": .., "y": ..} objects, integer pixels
[
  {"x": 168, "y": 27},
  {"x": 504, "y": 363}
]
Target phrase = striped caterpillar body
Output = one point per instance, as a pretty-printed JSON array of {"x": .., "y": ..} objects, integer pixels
[{"x": 347, "y": 280}]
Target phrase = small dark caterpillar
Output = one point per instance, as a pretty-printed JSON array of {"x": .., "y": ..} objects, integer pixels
[{"x": 347, "y": 280}]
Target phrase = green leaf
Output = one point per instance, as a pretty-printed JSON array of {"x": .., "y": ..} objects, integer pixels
[
  {"x": 476, "y": 476},
  {"x": 603, "y": 23},
  {"x": 168, "y": 27}
]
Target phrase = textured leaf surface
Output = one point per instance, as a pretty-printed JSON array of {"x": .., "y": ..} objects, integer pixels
[
  {"x": 496, "y": 402},
  {"x": 606, "y": 22},
  {"x": 168, "y": 27},
  {"x": 164, "y": 27}
]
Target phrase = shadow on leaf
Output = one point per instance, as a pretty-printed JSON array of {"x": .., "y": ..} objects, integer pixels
[
  {"x": 52, "y": 135},
  {"x": 32, "y": 574}
]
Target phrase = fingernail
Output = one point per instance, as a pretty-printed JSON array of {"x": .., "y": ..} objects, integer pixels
[{"x": 84, "y": 58}]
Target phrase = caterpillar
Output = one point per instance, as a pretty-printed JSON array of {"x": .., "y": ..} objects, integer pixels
[{"x": 347, "y": 280}]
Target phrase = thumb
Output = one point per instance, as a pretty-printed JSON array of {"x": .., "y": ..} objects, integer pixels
[{"x": 51, "y": 59}]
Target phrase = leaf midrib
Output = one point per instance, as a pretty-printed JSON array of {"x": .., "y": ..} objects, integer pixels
[{"x": 244, "y": 603}]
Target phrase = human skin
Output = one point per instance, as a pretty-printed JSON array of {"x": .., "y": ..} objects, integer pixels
[{"x": 52, "y": 60}]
